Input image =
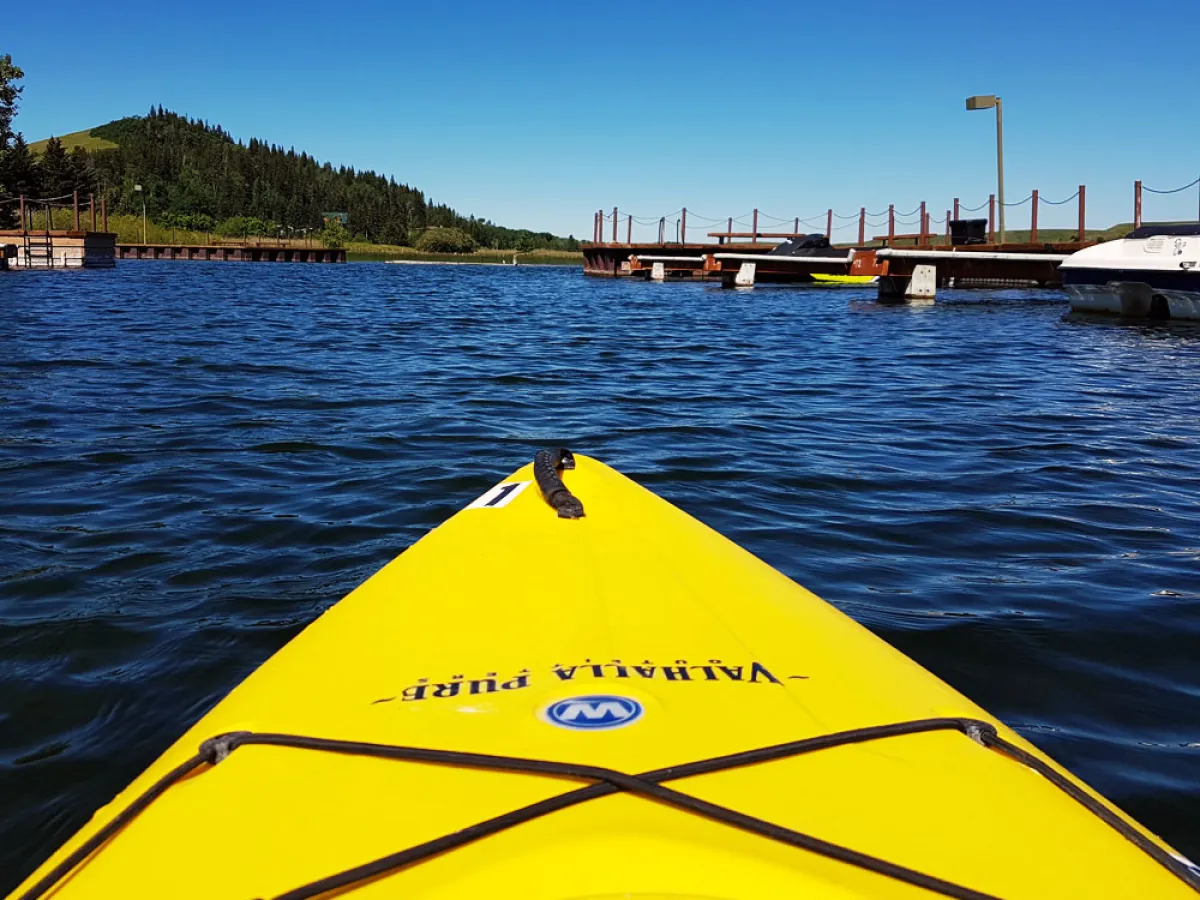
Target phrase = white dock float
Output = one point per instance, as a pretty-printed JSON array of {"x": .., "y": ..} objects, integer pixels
[
  {"x": 894, "y": 253},
  {"x": 760, "y": 257},
  {"x": 916, "y": 277},
  {"x": 749, "y": 262}
]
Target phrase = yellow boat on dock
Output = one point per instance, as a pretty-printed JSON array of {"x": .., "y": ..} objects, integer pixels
[{"x": 572, "y": 689}]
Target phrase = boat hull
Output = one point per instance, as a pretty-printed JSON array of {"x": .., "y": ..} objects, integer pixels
[
  {"x": 1154, "y": 273},
  {"x": 1134, "y": 296}
]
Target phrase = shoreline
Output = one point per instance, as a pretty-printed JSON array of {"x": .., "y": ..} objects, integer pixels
[{"x": 444, "y": 262}]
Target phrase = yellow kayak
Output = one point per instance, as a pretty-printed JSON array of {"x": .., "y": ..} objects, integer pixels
[
  {"x": 572, "y": 689},
  {"x": 845, "y": 279}
]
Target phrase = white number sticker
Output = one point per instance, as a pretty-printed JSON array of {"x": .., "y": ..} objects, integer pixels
[{"x": 500, "y": 495}]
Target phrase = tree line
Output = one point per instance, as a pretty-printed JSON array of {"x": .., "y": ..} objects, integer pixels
[{"x": 195, "y": 175}]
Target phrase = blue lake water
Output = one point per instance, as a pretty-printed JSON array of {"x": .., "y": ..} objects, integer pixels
[{"x": 196, "y": 459}]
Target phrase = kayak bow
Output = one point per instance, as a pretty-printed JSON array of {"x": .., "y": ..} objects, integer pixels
[{"x": 572, "y": 689}]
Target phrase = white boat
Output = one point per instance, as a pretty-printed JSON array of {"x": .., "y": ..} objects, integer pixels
[{"x": 1153, "y": 272}]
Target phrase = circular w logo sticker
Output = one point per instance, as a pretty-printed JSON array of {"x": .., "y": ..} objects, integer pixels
[{"x": 594, "y": 712}]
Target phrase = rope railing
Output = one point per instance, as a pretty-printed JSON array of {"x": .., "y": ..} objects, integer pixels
[
  {"x": 758, "y": 222},
  {"x": 1042, "y": 199},
  {"x": 42, "y": 201},
  {"x": 1190, "y": 184}
]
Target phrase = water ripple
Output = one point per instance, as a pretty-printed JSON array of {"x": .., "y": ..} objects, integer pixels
[{"x": 198, "y": 459}]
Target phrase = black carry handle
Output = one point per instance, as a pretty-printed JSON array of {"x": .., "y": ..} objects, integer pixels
[{"x": 545, "y": 469}]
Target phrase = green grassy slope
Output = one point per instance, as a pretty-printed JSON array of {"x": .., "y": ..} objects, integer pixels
[{"x": 83, "y": 139}]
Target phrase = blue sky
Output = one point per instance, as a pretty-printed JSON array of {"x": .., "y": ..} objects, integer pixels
[{"x": 536, "y": 115}]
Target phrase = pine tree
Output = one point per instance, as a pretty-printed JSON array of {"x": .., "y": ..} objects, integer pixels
[
  {"x": 18, "y": 176},
  {"x": 10, "y": 92},
  {"x": 83, "y": 170},
  {"x": 20, "y": 169},
  {"x": 56, "y": 174}
]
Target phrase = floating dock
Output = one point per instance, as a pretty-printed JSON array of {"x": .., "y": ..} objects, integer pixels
[
  {"x": 232, "y": 253},
  {"x": 907, "y": 265},
  {"x": 894, "y": 269}
]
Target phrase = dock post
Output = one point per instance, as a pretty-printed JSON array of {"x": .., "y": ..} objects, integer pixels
[
  {"x": 92, "y": 209},
  {"x": 683, "y": 226},
  {"x": 956, "y": 207},
  {"x": 862, "y": 225},
  {"x": 922, "y": 287},
  {"x": 948, "y": 240},
  {"x": 1082, "y": 205},
  {"x": 75, "y": 202},
  {"x": 1033, "y": 218},
  {"x": 104, "y": 213},
  {"x": 614, "y": 224},
  {"x": 891, "y": 224},
  {"x": 629, "y": 230},
  {"x": 918, "y": 288},
  {"x": 1137, "y": 204},
  {"x": 596, "y": 227},
  {"x": 796, "y": 227},
  {"x": 753, "y": 228},
  {"x": 662, "y": 230},
  {"x": 991, "y": 218},
  {"x": 924, "y": 224},
  {"x": 829, "y": 225},
  {"x": 729, "y": 230}
]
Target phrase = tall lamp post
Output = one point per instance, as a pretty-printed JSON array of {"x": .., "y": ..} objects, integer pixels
[
  {"x": 987, "y": 101},
  {"x": 138, "y": 190}
]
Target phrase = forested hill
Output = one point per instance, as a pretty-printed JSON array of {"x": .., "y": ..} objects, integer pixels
[{"x": 197, "y": 175}]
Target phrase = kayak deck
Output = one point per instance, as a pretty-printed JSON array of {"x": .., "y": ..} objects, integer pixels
[{"x": 631, "y": 640}]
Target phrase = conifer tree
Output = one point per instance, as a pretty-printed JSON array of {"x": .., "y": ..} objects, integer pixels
[{"x": 56, "y": 174}]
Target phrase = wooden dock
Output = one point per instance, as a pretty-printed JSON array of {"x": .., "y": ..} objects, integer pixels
[
  {"x": 901, "y": 273},
  {"x": 232, "y": 253},
  {"x": 954, "y": 250},
  {"x": 58, "y": 249}
]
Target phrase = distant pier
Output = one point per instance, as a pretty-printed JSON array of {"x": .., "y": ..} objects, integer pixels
[{"x": 232, "y": 253}]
